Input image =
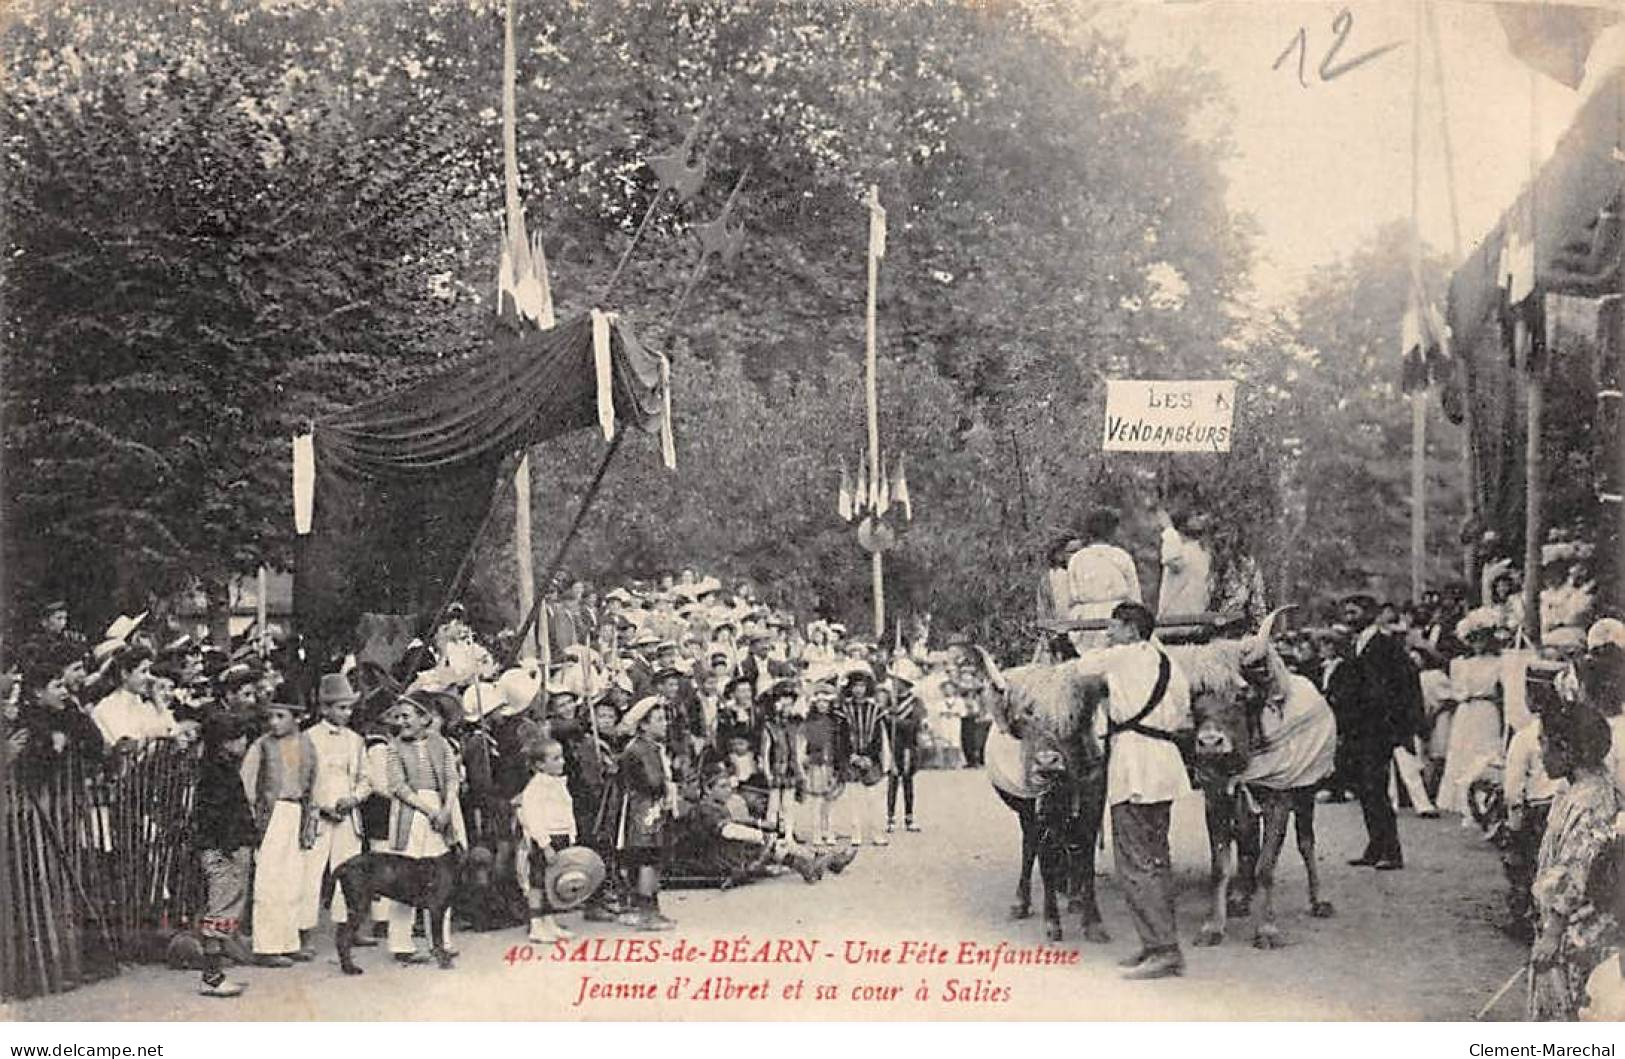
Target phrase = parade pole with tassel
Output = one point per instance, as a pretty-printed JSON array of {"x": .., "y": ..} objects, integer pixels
[
  {"x": 877, "y": 250},
  {"x": 523, "y": 276}
]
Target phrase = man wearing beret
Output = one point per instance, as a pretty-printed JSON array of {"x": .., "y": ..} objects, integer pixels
[{"x": 1382, "y": 704}]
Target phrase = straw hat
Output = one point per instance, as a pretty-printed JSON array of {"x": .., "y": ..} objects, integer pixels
[{"x": 574, "y": 876}]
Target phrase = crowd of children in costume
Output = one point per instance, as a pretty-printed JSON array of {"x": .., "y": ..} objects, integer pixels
[{"x": 670, "y": 732}]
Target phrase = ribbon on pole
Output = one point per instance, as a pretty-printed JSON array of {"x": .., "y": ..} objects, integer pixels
[
  {"x": 304, "y": 482},
  {"x": 668, "y": 443},
  {"x": 604, "y": 369}
]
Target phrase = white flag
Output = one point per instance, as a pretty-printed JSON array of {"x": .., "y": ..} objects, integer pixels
[{"x": 877, "y": 225}]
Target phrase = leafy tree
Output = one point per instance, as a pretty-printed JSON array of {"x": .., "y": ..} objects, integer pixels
[
  {"x": 1056, "y": 218},
  {"x": 1355, "y": 429},
  {"x": 199, "y": 257}
]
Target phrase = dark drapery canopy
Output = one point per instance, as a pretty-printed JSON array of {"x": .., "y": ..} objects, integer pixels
[
  {"x": 1556, "y": 217},
  {"x": 404, "y": 481}
]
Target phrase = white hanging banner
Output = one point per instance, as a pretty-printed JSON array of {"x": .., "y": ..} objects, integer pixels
[
  {"x": 606, "y": 373},
  {"x": 668, "y": 444},
  {"x": 304, "y": 481}
]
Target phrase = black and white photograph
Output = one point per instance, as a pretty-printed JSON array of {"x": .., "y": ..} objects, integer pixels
[{"x": 877, "y": 511}]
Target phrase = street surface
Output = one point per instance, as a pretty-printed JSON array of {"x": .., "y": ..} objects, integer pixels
[{"x": 1420, "y": 944}]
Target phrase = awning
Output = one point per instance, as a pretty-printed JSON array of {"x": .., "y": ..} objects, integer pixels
[
  {"x": 403, "y": 481},
  {"x": 1555, "y": 211}
]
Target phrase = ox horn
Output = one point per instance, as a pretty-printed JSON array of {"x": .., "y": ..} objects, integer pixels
[
  {"x": 1266, "y": 628},
  {"x": 994, "y": 673}
]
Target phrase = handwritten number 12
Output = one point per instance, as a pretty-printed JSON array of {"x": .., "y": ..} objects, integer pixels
[{"x": 1328, "y": 71}]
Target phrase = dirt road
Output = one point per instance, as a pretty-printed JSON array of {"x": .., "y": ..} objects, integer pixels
[{"x": 916, "y": 917}]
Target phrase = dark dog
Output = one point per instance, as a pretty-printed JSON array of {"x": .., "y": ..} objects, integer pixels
[{"x": 424, "y": 883}]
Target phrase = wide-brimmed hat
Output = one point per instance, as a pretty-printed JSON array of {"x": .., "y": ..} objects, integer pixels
[
  {"x": 236, "y": 674},
  {"x": 638, "y": 712},
  {"x": 644, "y": 638},
  {"x": 335, "y": 689},
  {"x": 124, "y": 626},
  {"x": 1606, "y": 631},
  {"x": 574, "y": 876},
  {"x": 1477, "y": 622},
  {"x": 781, "y": 689}
]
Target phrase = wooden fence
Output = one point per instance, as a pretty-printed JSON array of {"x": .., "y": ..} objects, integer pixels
[{"x": 96, "y": 866}]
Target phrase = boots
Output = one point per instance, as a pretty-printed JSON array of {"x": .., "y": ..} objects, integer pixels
[
  {"x": 810, "y": 865},
  {"x": 838, "y": 861}
]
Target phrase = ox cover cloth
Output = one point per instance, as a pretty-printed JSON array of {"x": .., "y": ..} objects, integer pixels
[{"x": 1300, "y": 740}]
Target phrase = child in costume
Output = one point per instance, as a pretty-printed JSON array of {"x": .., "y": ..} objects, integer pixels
[
  {"x": 820, "y": 747},
  {"x": 547, "y": 817}
]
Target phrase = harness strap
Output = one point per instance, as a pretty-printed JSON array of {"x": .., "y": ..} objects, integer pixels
[{"x": 1133, "y": 724}]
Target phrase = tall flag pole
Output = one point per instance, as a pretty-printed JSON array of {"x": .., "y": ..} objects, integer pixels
[
  {"x": 877, "y": 250},
  {"x": 523, "y": 290}
]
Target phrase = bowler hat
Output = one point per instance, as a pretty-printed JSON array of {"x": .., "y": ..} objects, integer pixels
[
  {"x": 335, "y": 690},
  {"x": 574, "y": 876}
]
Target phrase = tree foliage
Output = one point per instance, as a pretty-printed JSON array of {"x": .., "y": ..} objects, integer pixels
[
  {"x": 1354, "y": 479},
  {"x": 232, "y": 216}
]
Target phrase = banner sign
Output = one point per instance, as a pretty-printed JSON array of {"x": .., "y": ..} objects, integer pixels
[{"x": 1153, "y": 415}]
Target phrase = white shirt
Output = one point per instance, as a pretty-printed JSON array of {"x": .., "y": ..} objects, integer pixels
[
  {"x": 546, "y": 809},
  {"x": 1185, "y": 569},
  {"x": 1526, "y": 779},
  {"x": 1142, "y": 768},
  {"x": 341, "y": 770},
  {"x": 1364, "y": 639},
  {"x": 124, "y": 714},
  {"x": 1101, "y": 576}
]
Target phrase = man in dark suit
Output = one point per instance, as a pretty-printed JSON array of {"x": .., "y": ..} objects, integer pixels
[
  {"x": 1382, "y": 705},
  {"x": 759, "y": 667}
]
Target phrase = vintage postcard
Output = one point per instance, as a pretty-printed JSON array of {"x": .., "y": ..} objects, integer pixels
[{"x": 912, "y": 510}]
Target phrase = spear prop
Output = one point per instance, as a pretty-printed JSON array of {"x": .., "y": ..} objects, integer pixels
[
  {"x": 675, "y": 175},
  {"x": 716, "y": 237}
]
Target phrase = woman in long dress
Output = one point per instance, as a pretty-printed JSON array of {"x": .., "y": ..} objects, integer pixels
[
  {"x": 1475, "y": 726},
  {"x": 1577, "y": 884}
]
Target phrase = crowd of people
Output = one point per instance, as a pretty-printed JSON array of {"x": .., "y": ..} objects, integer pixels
[
  {"x": 679, "y": 730},
  {"x": 674, "y": 730},
  {"x": 1439, "y": 703}
]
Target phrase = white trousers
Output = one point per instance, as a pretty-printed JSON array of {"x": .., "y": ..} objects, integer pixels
[
  {"x": 335, "y": 844},
  {"x": 1410, "y": 774},
  {"x": 422, "y": 841},
  {"x": 278, "y": 872}
]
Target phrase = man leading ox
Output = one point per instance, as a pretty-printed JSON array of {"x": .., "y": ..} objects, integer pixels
[{"x": 1148, "y": 699}]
